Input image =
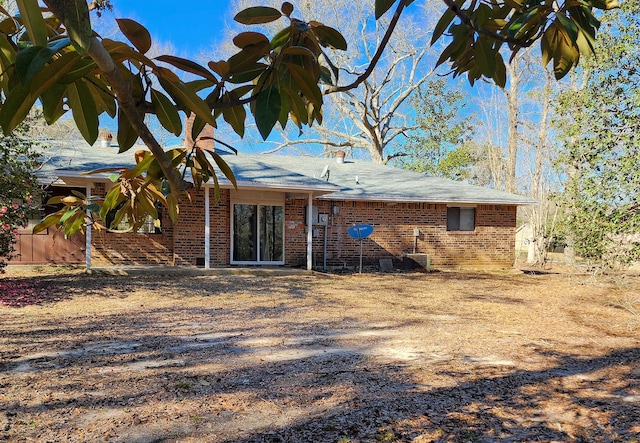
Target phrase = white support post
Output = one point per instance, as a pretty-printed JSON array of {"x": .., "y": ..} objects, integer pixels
[
  {"x": 87, "y": 245},
  {"x": 310, "y": 232},
  {"x": 207, "y": 229}
]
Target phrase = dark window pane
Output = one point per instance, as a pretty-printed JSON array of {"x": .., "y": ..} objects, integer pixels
[
  {"x": 245, "y": 232},
  {"x": 453, "y": 219},
  {"x": 467, "y": 219},
  {"x": 271, "y": 233}
]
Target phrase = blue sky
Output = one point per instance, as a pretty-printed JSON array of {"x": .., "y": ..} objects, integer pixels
[{"x": 190, "y": 25}]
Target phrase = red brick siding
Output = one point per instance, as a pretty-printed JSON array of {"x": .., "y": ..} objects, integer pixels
[
  {"x": 490, "y": 245},
  {"x": 220, "y": 216},
  {"x": 189, "y": 236},
  {"x": 129, "y": 248}
]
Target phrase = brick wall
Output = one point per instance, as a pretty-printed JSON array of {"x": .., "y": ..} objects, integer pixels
[
  {"x": 189, "y": 232},
  {"x": 132, "y": 248},
  {"x": 490, "y": 245}
]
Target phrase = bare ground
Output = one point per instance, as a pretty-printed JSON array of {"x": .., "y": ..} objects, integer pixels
[{"x": 448, "y": 356}]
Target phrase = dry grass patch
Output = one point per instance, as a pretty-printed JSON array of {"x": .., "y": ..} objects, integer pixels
[{"x": 448, "y": 356}]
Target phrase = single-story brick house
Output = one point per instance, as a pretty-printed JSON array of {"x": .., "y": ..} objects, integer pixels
[{"x": 290, "y": 211}]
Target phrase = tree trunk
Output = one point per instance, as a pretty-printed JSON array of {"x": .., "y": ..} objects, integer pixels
[
  {"x": 122, "y": 91},
  {"x": 512, "y": 137}
]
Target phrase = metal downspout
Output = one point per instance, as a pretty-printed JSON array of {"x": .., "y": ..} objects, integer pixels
[
  {"x": 310, "y": 232},
  {"x": 87, "y": 245},
  {"x": 207, "y": 229}
]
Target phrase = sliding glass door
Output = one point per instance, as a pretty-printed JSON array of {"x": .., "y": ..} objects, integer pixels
[{"x": 258, "y": 234}]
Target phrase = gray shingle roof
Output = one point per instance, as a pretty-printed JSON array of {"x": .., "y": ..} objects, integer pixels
[{"x": 352, "y": 180}]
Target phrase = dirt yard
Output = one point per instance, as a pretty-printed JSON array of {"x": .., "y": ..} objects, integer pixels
[{"x": 448, "y": 356}]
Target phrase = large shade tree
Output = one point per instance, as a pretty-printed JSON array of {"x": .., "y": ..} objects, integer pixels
[
  {"x": 440, "y": 144},
  {"x": 369, "y": 120},
  {"x": 53, "y": 56},
  {"x": 19, "y": 189},
  {"x": 601, "y": 149}
]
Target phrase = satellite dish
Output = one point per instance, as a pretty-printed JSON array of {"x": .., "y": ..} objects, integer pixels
[
  {"x": 325, "y": 172},
  {"x": 359, "y": 232}
]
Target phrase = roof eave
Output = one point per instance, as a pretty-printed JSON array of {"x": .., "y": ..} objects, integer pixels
[
  {"x": 394, "y": 199},
  {"x": 78, "y": 178}
]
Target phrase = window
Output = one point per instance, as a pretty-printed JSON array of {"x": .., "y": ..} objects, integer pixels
[
  {"x": 461, "y": 219},
  {"x": 150, "y": 225},
  {"x": 258, "y": 233}
]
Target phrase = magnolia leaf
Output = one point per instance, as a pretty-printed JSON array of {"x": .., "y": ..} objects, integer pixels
[
  {"x": 68, "y": 214},
  {"x": 249, "y": 74},
  {"x": 7, "y": 56},
  {"x": 569, "y": 26},
  {"x": 53, "y": 72},
  {"x": 172, "y": 208},
  {"x": 146, "y": 205},
  {"x": 547, "y": 43},
  {"x": 442, "y": 25},
  {"x": 30, "y": 60},
  {"x": 245, "y": 39},
  {"x": 74, "y": 224},
  {"x": 299, "y": 113},
  {"x": 141, "y": 166},
  {"x": 84, "y": 110},
  {"x": 126, "y": 135},
  {"x": 166, "y": 112},
  {"x": 15, "y": 108},
  {"x": 9, "y": 25},
  {"x": 79, "y": 70},
  {"x": 224, "y": 167},
  {"x": 48, "y": 221},
  {"x": 52, "y": 103},
  {"x": 285, "y": 106},
  {"x": 187, "y": 66},
  {"x": 104, "y": 100},
  {"x": 111, "y": 200},
  {"x": 241, "y": 91},
  {"x": 221, "y": 67},
  {"x": 565, "y": 52},
  {"x": 459, "y": 41},
  {"x": 585, "y": 43},
  {"x": 188, "y": 99},
  {"x": 31, "y": 16},
  {"x": 325, "y": 76},
  {"x": 267, "y": 110},
  {"x": 119, "y": 216},
  {"x": 281, "y": 38},
  {"x": 257, "y": 15},
  {"x": 197, "y": 127},
  {"x": 136, "y": 33},
  {"x": 383, "y": 6},
  {"x": 216, "y": 189},
  {"x": 298, "y": 50},
  {"x": 287, "y": 9},
  {"x": 78, "y": 24},
  {"x": 248, "y": 57},
  {"x": 235, "y": 115},
  {"x": 330, "y": 37},
  {"x": 486, "y": 56},
  {"x": 307, "y": 85},
  {"x": 500, "y": 74}
]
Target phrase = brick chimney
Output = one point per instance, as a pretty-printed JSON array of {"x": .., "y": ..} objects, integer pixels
[{"x": 207, "y": 131}]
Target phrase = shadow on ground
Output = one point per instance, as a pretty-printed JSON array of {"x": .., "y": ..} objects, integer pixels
[{"x": 258, "y": 374}]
